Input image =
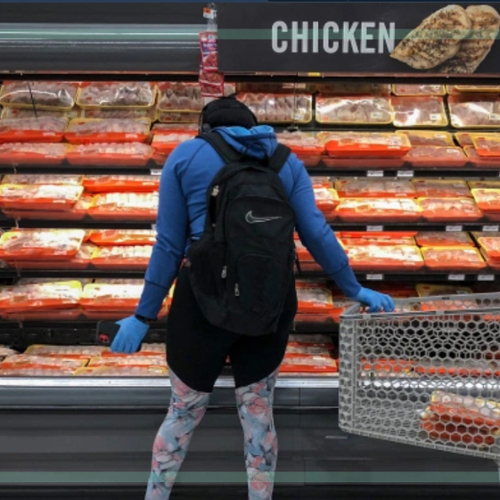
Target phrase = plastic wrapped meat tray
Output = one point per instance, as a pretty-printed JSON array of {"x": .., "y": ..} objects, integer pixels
[
  {"x": 121, "y": 183},
  {"x": 444, "y": 239},
  {"x": 450, "y": 209},
  {"x": 21, "y": 113},
  {"x": 473, "y": 88},
  {"x": 474, "y": 111},
  {"x": 441, "y": 188},
  {"x": 165, "y": 142},
  {"x": 306, "y": 145},
  {"x": 23, "y": 360},
  {"x": 117, "y": 95},
  {"x": 42, "y": 94},
  {"x": 481, "y": 161},
  {"x": 419, "y": 112},
  {"x": 88, "y": 131},
  {"x": 309, "y": 364},
  {"x": 384, "y": 258},
  {"x": 123, "y": 237},
  {"x": 365, "y": 144},
  {"x": 124, "y": 206},
  {"x": 491, "y": 246},
  {"x": 180, "y": 97},
  {"x": 279, "y": 108},
  {"x": 427, "y": 137},
  {"x": 134, "y": 154},
  {"x": 487, "y": 145},
  {"x": 435, "y": 156},
  {"x": 37, "y": 371},
  {"x": 22, "y": 153},
  {"x": 111, "y": 297},
  {"x": 378, "y": 209},
  {"x": 39, "y": 197},
  {"x": 43, "y": 129},
  {"x": 43, "y": 179},
  {"x": 389, "y": 238},
  {"x": 122, "y": 257},
  {"x": 354, "y": 110},
  {"x": 63, "y": 351},
  {"x": 326, "y": 200},
  {"x": 487, "y": 200},
  {"x": 41, "y": 244},
  {"x": 453, "y": 259},
  {"x": 302, "y": 252},
  {"x": 374, "y": 188},
  {"x": 418, "y": 90},
  {"x": 123, "y": 371},
  {"x": 294, "y": 348},
  {"x": 176, "y": 117},
  {"x": 314, "y": 299}
]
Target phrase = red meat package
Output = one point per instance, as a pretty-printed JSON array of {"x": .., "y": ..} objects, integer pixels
[
  {"x": 428, "y": 138},
  {"x": 43, "y": 129},
  {"x": 279, "y": 108},
  {"x": 379, "y": 209},
  {"x": 487, "y": 200},
  {"x": 474, "y": 111},
  {"x": 425, "y": 111},
  {"x": 432, "y": 188},
  {"x": 444, "y": 239},
  {"x": 384, "y": 258},
  {"x": 436, "y": 156},
  {"x": 453, "y": 259},
  {"x": 365, "y": 144},
  {"x": 418, "y": 90},
  {"x": 40, "y": 94},
  {"x": 450, "y": 209},
  {"x": 354, "y": 238},
  {"x": 121, "y": 183},
  {"x": 374, "y": 188}
]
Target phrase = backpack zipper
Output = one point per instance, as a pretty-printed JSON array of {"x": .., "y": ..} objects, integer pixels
[
  {"x": 237, "y": 290},
  {"x": 224, "y": 273},
  {"x": 215, "y": 191}
]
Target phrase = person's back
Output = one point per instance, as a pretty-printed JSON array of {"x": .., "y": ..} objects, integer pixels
[{"x": 197, "y": 349}]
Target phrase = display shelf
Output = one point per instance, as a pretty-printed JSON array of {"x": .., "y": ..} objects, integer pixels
[{"x": 373, "y": 226}]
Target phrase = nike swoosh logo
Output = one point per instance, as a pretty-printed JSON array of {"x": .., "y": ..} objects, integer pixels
[{"x": 251, "y": 219}]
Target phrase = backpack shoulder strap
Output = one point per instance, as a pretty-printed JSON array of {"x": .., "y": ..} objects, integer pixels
[
  {"x": 279, "y": 158},
  {"x": 223, "y": 149}
]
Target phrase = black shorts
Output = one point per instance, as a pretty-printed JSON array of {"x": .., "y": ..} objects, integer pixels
[{"x": 197, "y": 350}]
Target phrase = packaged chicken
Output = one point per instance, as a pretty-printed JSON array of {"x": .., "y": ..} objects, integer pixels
[
  {"x": 418, "y": 90},
  {"x": 118, "y": 113},
  {"x": 122, "y": 371},
  {"x": 486, "y": 184},
  {"x": 41, "y": 197},
  {"x": 309, "y": 364},
  {"x": 306, "y": 145},
  {"x": 491, "y": 246},
  {"x": 326, "y": 200},
  {"x": 65, "y": 351},
  {"x": 166, "y": 142},
  {"x": 50, "y": 244},
  {"x": 180, "y": 97},
  {"x": 141, "y": 206},
  {"x": 55, "y": 295},
  {"x": 111, "y": 297},
  {"x": 137, "y": 359},
  {"x": 6, "y": 351},
  {"x": 365, "y": 144},
  {"x": 486, "y": 144},
  {"x": 453, "y": 259},
  {"x": 33, "y": 153},
  {"x": 427, "y": 137},
  {"x": 133, "y": 154},
  {"x": 37, "y": 371},
  {"x": 384, "y": 257},
  {"x": 44, "y": 129},
  {"x": 450, "y": 209},
  {"x": 168, "y": 117},
  {"x": 123, "y": 237},
  {"x": 151, "y": 348},
  {"x": 481, "y": 161},
  {"x": 441, "y": 188},
  {"x": 314, "y": 299},
  {"x": 20, "y": 360},
  {"x": 447, "y": 303},
  {"x": 387, "y": 238},
  {"x": 117, "y": 95},
  {"x": 474, "y": 111},
  {"x": 444, "y": 239},
  {"x": 419, "y": 112},
  {"x": 487, "y": 200},
  {"x": 378, "y": 209},
  {"x": 355, "y": 110},
  {"x": 39, "y": 180},
  {"x": 473, "y": 88},
  {"x": 121, "y": 183},
  {"x": 279, "y": 108},
  {"x": 352, "y": 88},
  {"x": 374, "y": 188},
  {"x": 321, "y": 182},
  {"x": 41, "y": 94},
  {"x": 295, "y": 349},
  {"x": 21, "y": 113},
  {"x": 436, "y": 156},
  {"x": 122, "y": 257},
  {"x": 88, "y": 131}
]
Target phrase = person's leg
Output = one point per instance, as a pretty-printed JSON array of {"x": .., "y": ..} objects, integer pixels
[
  {"x": 255, "y": 409},
  {"x": 187, "y": 408}
]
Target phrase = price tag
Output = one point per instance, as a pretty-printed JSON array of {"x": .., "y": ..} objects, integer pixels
[
  {"x": 374, "y": 277},
  {"x": 375, "y": 173},
  {"x": 405, "y": 173},
  {"x": 494, "y": 117},
  {"x": 490, "y": 229},
  {"x": 485, "y": 277},
  {"x": 435, "y": 117},
  {"x": 453, "y": 229},
  {"x": 456, "y": 277},
  {"x": 156, "y": 172},
  {"x": 374, "y": 229}
]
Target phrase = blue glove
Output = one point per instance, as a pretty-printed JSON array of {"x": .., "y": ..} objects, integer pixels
[
  {"x": 376, "y": 302},
  {"x": 129, "y": 336}
]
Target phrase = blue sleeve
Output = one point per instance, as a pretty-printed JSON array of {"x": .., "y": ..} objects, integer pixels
[
  {"x": 316, "y": 234},
  {"x": 172, "y": 230}
]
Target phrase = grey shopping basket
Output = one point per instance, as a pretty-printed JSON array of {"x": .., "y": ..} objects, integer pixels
[{"x": 426, "y": 375}]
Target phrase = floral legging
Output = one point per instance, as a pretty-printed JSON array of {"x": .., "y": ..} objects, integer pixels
[{"x": 187, "y": 408}]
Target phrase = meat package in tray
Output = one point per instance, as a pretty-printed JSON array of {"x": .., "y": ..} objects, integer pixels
[
  {"x": 43, "y": 129},
  {"x": 40, "y": 94},
  {"x": 117, "y": 95},
  {"x": 490, "y": 246},
  {"x": 433, "y": 188},
  {"x": 354, "y": 110},
  {"x": 33, "y": 153},
  {"x": 134, "y": 154},
  {"x": 486, "y": 145},
  {"x": 444, "y": 239},
  {"x": 384, "y": 257},
  {"x": 43, "y": 179},
  {"x": 474, "y": 111},
  {"x": 123, "y": 237},
  {"x": 67, "y": 352},
  {"x": 365, "y": 144},
  {"x": 24, "y": 360},
  {"x": 418, "y": 90},
  {"x": 453, "y": 259},
  {"x": 37, "y": 371},
  {"x": 326, "y": 200},
  {"x": 180, "y": 97},
  {"x": 450, "y": 209},
  {"x": 374, "y": 188},
  {"x": 39, "y": 197},
  {"x": 481, "y": 161},
  {"x": 436, "y": 156},
  {"x": 124, "y": 206},
  {"x": 306, "y": 145},
  {"x": 382, "y": 238},
  {"x": 425, "y": 111},
  {"x": 428, "y": 137},
  {"x": 488, "y": 200},
  {"x": 378, "y": 209},
  {"x": 121, "y": 183},
  {"x": 137, "y": 359},
  {"x": 45, "y": 244},
  {"x": 313, "y": 298},
  {"x": 279, "y": 108},
  {"x": 122, "y": 371},
  {"x": 89, "y": 131},
  {"x": 165, "y": 141},
  {"x": 107, "y": 297},
  {"x": 312, "y": 365},
  {"x": 122, "y": 257}
]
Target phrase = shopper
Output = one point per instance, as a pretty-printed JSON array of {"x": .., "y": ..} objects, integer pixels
[{"x": 196, "y": 348}]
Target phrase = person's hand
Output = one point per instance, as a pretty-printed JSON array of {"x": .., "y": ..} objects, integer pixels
[
  {"x": 376, "y": 302},
  {"x": 129, "y": 336}
]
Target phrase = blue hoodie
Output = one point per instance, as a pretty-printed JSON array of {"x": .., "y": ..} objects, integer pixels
[{"x": 186, "y": 176}]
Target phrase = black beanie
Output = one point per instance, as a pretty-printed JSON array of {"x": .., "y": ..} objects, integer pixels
[{"x": 227, "y": 112}]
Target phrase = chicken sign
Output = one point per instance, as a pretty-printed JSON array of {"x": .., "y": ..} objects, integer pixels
[{"x": 360, "y": 38}]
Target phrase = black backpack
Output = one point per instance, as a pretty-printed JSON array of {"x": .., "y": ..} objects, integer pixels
[{"x": 242, "y": 267}]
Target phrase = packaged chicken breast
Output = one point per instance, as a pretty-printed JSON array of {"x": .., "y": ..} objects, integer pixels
[
  {"x": 419, "y": 112},
  {"x": 478, "y": 161},
  {"x": 279, "y": 108},
  {"x": 488, "y": 200},
  {"x": 41, "y": 197},
  {"x": 124, "y": 206},
  {"x": 22, "y": 360},
  {"x": 180, "y": 97},
  {"x": 166, "y": 141},
  {"x": 486, "y": 144},
  {"x": 111, "y": 297},
  {"x": 491, "y": 246},
  {"x": 88, "y": 131},
  {"x": 117, "y": 95},
  {"x": 433, "y": 188},
  {"x": 21, "y": 113},
  {"x": 444, "y": 239},
  {"x": 428, "y": 137},
  {"x": 474, "y": 111},
  {"x": 382, "y": 238},
  {"x": 453, "y": 259},
  {"x": 122, "y": 371},
  {"x": 374, "y": 188},
  {"x": 130, "y": 154},
  {"x": 436, "y": 156},
  {"x": 122, "y": 257},
  {"x": 306, "y": 145},
  {"x": 403, "y": 89},
  {"x": 43, "y": 129},
  {"x": 365, "y": 144},
  {"x": 384, "y": 258},
  {"x": 41, "y": 94},
  {"x": 450, "y": 209},
  {"x": 65, "y": 351},
  {"x": 33, "y": 153},
  {"x": 123, "y": 237},
  {"x": 121, "y": 183},
  {"x": 314, "y": 299},
  {"x": 378, "y": 209}
]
